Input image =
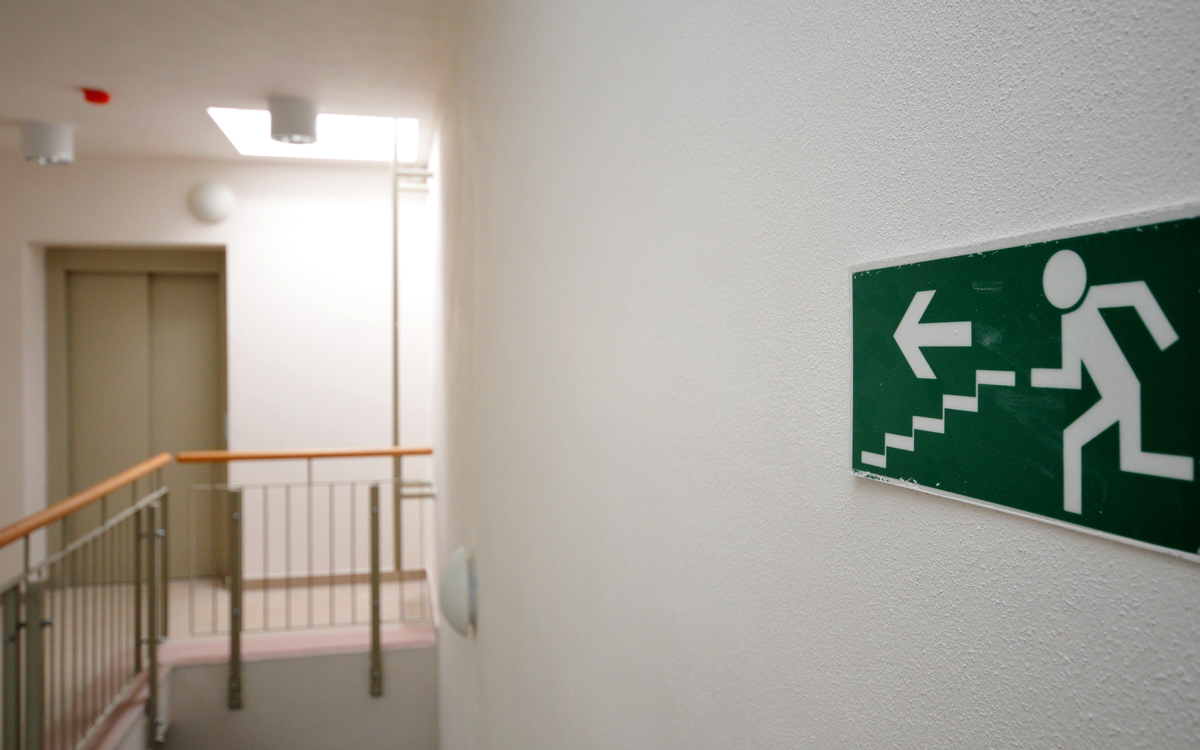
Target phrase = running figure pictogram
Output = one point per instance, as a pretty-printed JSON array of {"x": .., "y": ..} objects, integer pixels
[{"x": 1086, "y": 340}]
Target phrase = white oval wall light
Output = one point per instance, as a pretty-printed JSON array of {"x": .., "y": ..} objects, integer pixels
[
  {"x": 293, "y": 120},
  {"x": 48, "y": 143},
  {"x": 457, "y": 591},
  {"x": 211, "y": 202}
]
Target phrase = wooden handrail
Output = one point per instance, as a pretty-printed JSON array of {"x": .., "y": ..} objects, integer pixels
[
  {"x": 215, "y": 457},
  {"x": 64, "y": 508}
]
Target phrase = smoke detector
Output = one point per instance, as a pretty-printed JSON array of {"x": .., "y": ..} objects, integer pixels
[
  {"x": 48, "y": 143},
  {"x": 293, "y": 120}
]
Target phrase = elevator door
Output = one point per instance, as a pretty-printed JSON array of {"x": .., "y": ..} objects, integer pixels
[{"x": 145, "y": 374}]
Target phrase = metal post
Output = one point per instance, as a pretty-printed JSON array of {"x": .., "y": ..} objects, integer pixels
[
  {"x": 166, "y": 564},
  {"x": 154, "y": 548},
  {"x": 235, "y": 599},
  {"x": 11, "y": 600},
  {"x": 138, "y": 640},
  {"x": 376, "y": 650},
  {"x": 398, "y": 521},
  {"x": 35, "y": 678}
]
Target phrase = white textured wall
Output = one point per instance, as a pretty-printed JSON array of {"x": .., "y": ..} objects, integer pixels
[{"x": 652, "y": 210}]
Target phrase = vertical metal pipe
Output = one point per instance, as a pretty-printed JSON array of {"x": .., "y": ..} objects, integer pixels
[
  {"x": 397, "y": 359},
  {"x": 235, "y": 599},
  {"x": 35, "y": 677},
  {"x": 11, "y": 601},
  {"x": 153, "y": 549},
  {"x": 376, "y": 649},
  {"x": 395, "y": 299}
]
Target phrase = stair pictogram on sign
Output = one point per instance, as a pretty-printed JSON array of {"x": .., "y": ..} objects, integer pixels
[{"x": 929, "y": 424}]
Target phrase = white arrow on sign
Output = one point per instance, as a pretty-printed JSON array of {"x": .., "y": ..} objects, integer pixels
[{"x": 912, "y": 334}]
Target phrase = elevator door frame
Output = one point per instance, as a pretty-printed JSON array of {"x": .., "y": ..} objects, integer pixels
[{"x": 61, "y": 261}]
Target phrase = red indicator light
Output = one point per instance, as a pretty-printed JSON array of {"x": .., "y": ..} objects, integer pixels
[{"x": 97, "y": 96}]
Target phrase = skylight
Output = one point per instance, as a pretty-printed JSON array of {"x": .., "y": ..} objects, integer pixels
[{"x": 344, "y": 137}]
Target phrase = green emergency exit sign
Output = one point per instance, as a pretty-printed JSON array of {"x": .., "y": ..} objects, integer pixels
[{"x": 1059, "y": 379}]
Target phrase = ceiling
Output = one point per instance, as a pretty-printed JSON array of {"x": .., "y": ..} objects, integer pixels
[{"x": 165, "y": 62}]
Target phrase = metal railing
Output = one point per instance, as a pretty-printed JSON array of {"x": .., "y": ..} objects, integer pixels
[
  {"x": 305, "y": 555},
  {"x": 82, "y": 626}
]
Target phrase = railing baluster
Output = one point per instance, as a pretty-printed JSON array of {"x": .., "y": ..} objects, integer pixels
[
  {"x": 56, "y": 657},
  {"x": 214, "y": 516},
  {"x": 70, "y": 648},
  {"x": 105, "y": 625},
  {"x": 332, "y": 597},
  {"x": 376, "y": 649},
  {"x": 266, "y": 548},
  {"x": 11, "y": 601},
  {"x": 92, "y": 684},
  {"x": 287, "y": 555},
  {"x": 420, "y": 555},
  {"x": 353, "y": 557},
  {"x": 166, "y": 561},
  {"x": 309, "y": 529},
  {"x": 137, "y": 591},
  {"x": 35, "y": 677},
  {"x": 235, "y": 599},
  {"x": 154, "y": 549},
  {"x": 191, "y": 569},
  {"x": 398, "y": 527},
  {"x": 76, "y": 648}
]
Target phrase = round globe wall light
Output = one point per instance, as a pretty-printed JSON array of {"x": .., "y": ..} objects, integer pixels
[
  {"x": 457, "y": 591},
  {"x": 211, "y": 202}
]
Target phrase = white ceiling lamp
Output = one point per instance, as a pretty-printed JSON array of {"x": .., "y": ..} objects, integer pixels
[
  {"x": 48, "y": 142},
  {"x": 340, "y": 137},
  {"x": 293, "y": 119}
]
